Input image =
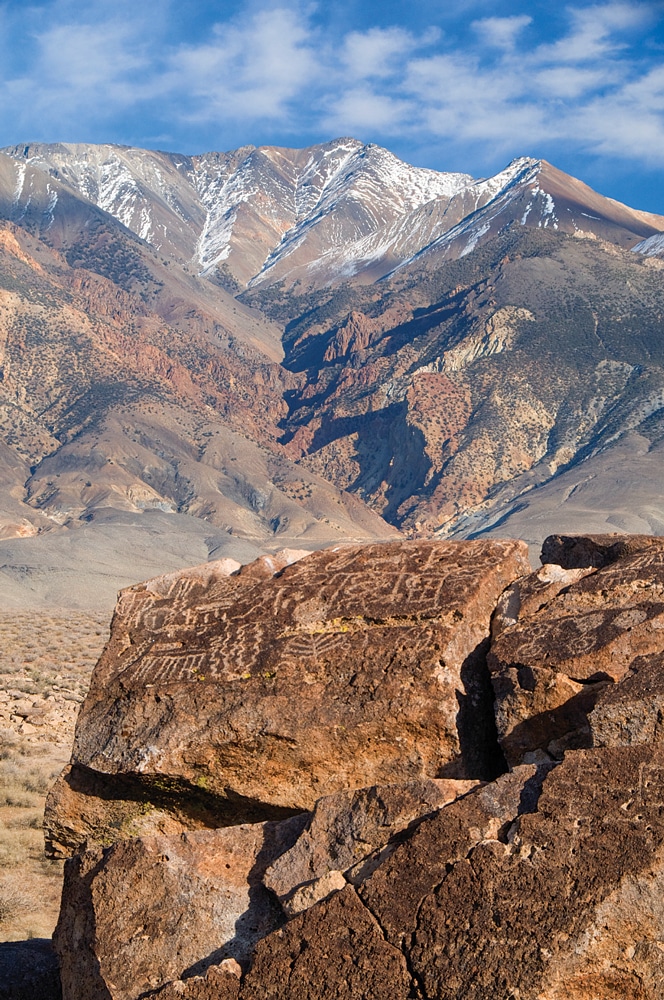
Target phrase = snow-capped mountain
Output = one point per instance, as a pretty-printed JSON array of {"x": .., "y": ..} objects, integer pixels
[
  {"x": 253, "y": 213},
  {"x": 536, "y": 194},
  {"x": 339, "y": 210}
]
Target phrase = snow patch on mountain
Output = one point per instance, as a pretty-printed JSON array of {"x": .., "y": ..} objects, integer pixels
[{"x": 653, "y": 246}]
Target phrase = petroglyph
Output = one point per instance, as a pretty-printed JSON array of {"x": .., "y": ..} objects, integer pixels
[{"x": 343, "y": 669}]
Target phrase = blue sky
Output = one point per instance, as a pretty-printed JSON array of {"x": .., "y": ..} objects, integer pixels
[{"x": 454, "y": 86}]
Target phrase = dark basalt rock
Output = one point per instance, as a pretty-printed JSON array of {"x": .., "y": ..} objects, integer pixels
[
  {"x": 251, "y": 696},
  {"x": 543, "y": 883}
]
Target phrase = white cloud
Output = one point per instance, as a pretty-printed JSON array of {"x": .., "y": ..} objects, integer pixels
[
  {"x": 272, "y": 69},
  {"x": 247, "y": 70},
  {"x": 592, "y": 34},
  {"x": 501, "y": 32},
  {"x": 378, "y": 51},
  {"x": 361, "y": 109}
]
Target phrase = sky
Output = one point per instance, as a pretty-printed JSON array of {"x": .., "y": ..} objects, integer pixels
[{"x": 463, "y": 86}]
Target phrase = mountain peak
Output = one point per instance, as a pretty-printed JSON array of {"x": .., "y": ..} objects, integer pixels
[{"x": 333, "y": 211}]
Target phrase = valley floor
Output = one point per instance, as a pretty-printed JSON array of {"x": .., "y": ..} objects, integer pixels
[{"x": 46, "y": 659}]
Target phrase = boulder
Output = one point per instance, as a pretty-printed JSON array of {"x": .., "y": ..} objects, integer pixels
[
  {"x": 562, "y": 635},
  {"x": 632, "y": 711},
  {"x": 228, "y": 699},
  {"x": 569, "y": 904},
  {"x": 545, "y": 885},
  {"x": 352, "y": 945},
  {"x": 151, "y": 910},
  {"x": 351, "y": 833},
  {"x": 220, "y": 981},
  {"x": 594, "y": 551}
]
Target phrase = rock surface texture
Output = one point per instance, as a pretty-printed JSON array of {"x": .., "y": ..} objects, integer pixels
[
  {"x": 248, "y": 697},
  {"x": 432, "y": 879},
  {"x": 565, "y": 633}
]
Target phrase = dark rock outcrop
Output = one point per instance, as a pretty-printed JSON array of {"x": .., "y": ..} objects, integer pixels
[
  {"x": 144, "y": 911},
  {"x": 544, "y": 883},
  {"x": 249, "y": 697},
  {"x": 563, "y": 635}
]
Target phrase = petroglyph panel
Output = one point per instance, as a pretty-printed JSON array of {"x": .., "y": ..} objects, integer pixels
[
  {"x": 347, "y": 668},
  {"x": 242, "y": 625}
]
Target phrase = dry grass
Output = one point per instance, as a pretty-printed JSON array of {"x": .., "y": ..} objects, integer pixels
[{"x": 46, "y": 660}]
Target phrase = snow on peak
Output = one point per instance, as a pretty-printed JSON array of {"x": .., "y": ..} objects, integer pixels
[{"x": 653, "y": 246}]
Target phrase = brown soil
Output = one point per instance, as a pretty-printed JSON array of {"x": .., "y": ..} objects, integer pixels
[{"x": 46, "y": 658}]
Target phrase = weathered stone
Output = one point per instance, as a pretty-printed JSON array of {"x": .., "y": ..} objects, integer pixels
[
  {"x": 552, "y": 890},
  {"x": 312, "y": 892},
  {"x": 632, "y": 711},
  {"x": 334, "y": 950},
  {"x": 257, "y": 694},
  {"x": 570, "y": 906},
  {"x": 563, "y": 647},
  {"x": 150, "y": 910},
  {"x": 594, "y": 551},
  {"x": 529, "y": 594},
  {"x": 345, "y": 829},
  {"x": 395, "y": 892},
  {"x": 220, "y": 982},
  {"x": 349, "y": 947}
]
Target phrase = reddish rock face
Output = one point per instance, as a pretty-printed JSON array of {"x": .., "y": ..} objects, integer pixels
[
  {"x": 220, "y": 981},
  {"x": 551, "y": 890},
  {"x": 249, "y": 697},
  {"x": 149, "y": 910},
  {"x": 563, "y": 636},
  {"x": 350, "y": 834},
  {"x": 546, "y": 883},
  {"x": 633, "y": 710}
]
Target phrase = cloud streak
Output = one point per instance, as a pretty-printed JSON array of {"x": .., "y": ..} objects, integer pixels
[{"x": 594, "y": 86}]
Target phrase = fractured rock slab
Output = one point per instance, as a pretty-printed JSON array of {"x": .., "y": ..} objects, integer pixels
[
  {"x": 348, "y": 827},
  {"x": 571, "y": 905},
  {"x": 147, "y": 911},
  {"x": 351, "y": 945},
  {"x": 632, "y": 711},
  {"x": 562, "y": 637},
  {"x": 334, "y": 950},
  {"x": 558, "y": 894},
  {"x": 222, "y": 982},
  {"x": 260, "y": 693}
]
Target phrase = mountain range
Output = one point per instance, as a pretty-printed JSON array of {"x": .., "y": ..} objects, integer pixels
[{"x": 239, "y": 352}]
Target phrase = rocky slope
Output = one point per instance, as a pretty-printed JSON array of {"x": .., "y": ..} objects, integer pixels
[
  {"x": 160, "y": 396},
  {"x": 302, "y": 216},
  {"x": 504, "y": 371},
  {"x": 451, "y": 394},
  {"x": 537, "y": 874}
]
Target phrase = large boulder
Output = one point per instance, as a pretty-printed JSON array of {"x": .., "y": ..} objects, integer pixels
[
  {"x": 564, "y": 634},
  {"x": 555, "y": 892},
  {"x": 183, "y": 913},
  {"x": 227, "y": 699},
  {"x": 355, "y": 943}
]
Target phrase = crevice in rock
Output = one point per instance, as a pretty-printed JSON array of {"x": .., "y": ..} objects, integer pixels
[
  {"x": 532, "y": 789},
  {"x": 417, "y": 993},
  {"x": 191, "y": 806},
  {"x": 481, "y": 752}
]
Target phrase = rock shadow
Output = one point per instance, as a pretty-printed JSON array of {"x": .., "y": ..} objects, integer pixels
[
  {"x": 29, "y": 970},
  {"x": 264, "y": 913},
  {"x": 481, "y": 753}
]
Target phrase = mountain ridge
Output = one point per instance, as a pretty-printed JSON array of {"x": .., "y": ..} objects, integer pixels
[
  {"x": 405, "y": 363},
  {"x": 325, "y": 213}
]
